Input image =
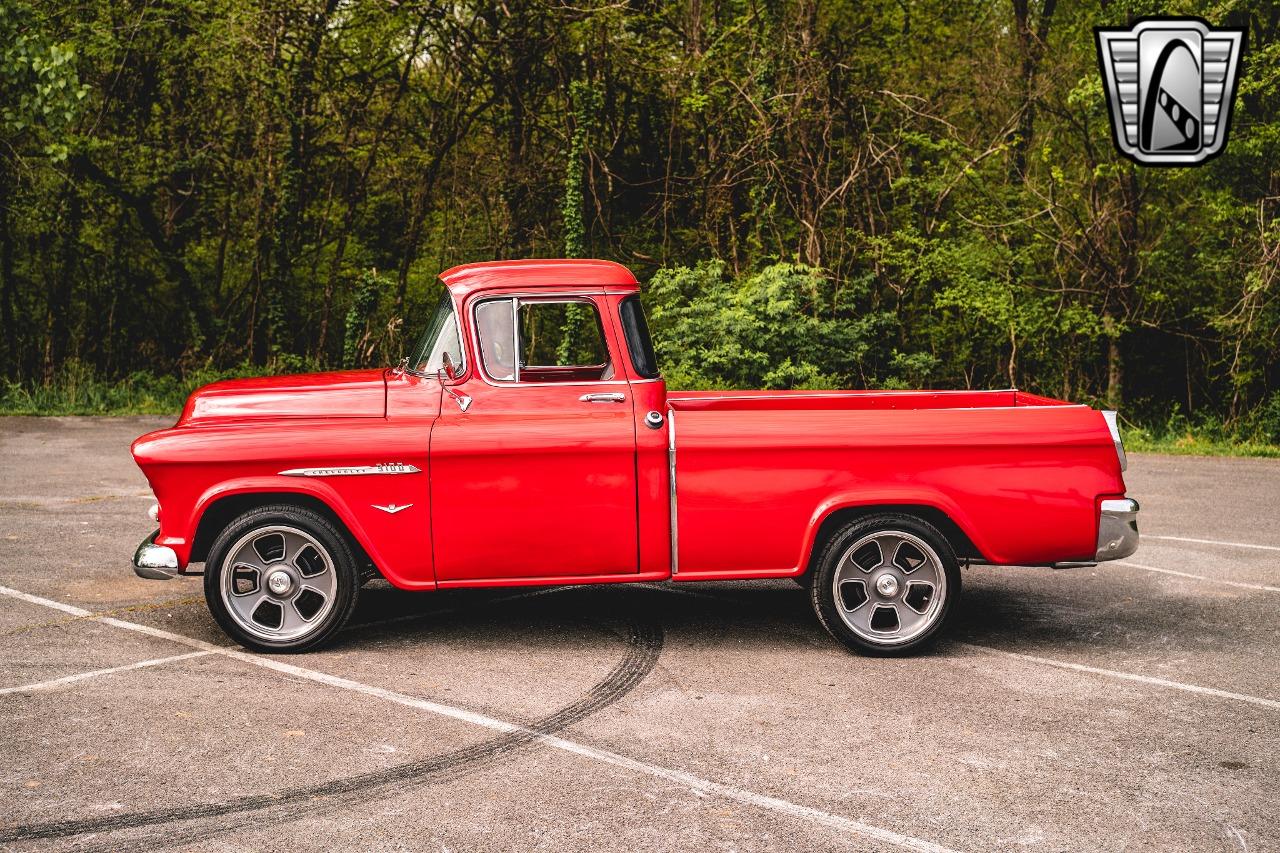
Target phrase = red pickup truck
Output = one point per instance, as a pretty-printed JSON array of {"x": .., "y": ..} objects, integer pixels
[{"x": 500, "y": 454}]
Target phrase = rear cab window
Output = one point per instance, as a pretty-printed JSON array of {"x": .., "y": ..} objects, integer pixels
[{"x": 639, "y": 345}]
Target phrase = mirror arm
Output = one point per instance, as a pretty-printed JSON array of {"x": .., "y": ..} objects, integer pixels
[{"x": 463, "y": 401}]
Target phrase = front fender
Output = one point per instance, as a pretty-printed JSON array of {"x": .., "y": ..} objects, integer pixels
[
  {"x": 387, "y": 512},
  {"x": 402, "y": 558}
]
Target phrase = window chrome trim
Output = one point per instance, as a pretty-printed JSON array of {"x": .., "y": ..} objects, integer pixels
[
  {"x": 515, "y": 340},
  {"x": 482, "y": 371},
  {"x": 353, "y": 470},
  {"x": 671, "y": 477}
]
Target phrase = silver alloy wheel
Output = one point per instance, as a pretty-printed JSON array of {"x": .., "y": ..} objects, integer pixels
[
  {"x": 889, "y": 587},
  {"x": 278, "y": 583}
]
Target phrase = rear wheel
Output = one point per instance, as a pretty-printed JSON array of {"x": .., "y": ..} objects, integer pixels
[
  {"x": 281, "y": 579},
  {"x": 886, "y": 584}
]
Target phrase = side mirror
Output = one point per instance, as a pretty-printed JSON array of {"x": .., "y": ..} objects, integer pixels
[{"x": 449, "y": 370}]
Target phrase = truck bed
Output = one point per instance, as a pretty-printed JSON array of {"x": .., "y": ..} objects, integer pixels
[
  {"x": 846, "y": 400},
  {"x": 1018, "y": 474}
]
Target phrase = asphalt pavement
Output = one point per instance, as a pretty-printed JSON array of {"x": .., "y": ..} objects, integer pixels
[{"x": 1132, "y": 706}]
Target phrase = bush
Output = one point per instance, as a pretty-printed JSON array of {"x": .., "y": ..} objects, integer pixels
[
  {"x": 786, "y": 326},
  {"x": 1266, "y": 419}
]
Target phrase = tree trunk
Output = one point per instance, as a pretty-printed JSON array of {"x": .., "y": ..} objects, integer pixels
[
  {"x": 294, "y": 177},
  {"x": 9, "y": 349},
  {"x": 1115, "y": 366},
  {"x": 1032, "y": 39},
  {"x": 358, "y": 183},
  {"x": 61, "y": 283}
]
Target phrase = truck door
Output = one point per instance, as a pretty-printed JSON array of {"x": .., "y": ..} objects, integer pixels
[{"x": 533, "y": 471}]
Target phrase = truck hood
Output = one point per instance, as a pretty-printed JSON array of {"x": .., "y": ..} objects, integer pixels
[{"x": 341, "y": 394}]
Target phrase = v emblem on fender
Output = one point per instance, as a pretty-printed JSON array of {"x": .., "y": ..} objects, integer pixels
[{"x": 392, "y": 508}]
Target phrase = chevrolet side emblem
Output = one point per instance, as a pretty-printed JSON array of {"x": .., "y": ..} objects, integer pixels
[{"x": 392, "y": 508}]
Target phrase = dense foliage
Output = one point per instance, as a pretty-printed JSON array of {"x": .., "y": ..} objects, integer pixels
[{"x": 861, "y": 194}]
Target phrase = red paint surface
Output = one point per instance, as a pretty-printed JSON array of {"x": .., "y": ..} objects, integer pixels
[{"x": 532, "y": 485}]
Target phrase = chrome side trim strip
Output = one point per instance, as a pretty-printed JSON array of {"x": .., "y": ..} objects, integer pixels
[
  {"x": 353, "y": 470},
  {"x": 671, "y": 476}
]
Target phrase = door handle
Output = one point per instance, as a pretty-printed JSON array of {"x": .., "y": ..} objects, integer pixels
[{"x": 612, "y": 397}]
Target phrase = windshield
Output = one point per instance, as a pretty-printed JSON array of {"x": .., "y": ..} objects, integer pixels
[{"x": 439, "y": 338}]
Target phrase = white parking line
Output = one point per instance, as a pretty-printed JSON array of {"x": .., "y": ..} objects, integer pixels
[
  {"x": 81, "y": 676},
  {"x": 1212, "y": 542},
  {"x": 689, "y": 780},
  {"x": 1127, "y": 676},
  {"x": 1241, "y": 584},
  {"x": 1079, "y": 667}
]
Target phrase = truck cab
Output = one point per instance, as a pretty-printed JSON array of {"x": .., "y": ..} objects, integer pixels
[{"x": 550, "y": 430}]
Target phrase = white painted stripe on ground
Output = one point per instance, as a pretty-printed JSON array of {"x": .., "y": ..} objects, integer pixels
[
  {"x": 45, "y": 602},
  {"x": 1241, "y": 584},
  {"x": 1079, "y": 667},
  {"x": 1212, "y": 542},
  {"x": 82, "y": 676},
  {"x": 1127, "y": 676},
  {"x": 696, "y": 783}
]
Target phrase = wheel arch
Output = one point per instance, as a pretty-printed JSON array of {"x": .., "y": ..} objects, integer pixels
[
  {"x": 835, "y": 516},
  {"x": 217, "y": 511}
]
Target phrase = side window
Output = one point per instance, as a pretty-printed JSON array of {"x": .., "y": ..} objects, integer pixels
[
  {"x": 555, "y": 340},
  {"x": 495, "y": 321}
]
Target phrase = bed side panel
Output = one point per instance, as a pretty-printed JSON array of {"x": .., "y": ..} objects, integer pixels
[{"x": 1021, "y": 482}]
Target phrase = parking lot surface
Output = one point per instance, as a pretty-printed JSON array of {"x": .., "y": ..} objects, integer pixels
[{"x": 1135, "y": 705}]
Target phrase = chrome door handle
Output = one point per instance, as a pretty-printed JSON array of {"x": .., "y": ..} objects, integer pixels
[{"x": 612, "y": 397}]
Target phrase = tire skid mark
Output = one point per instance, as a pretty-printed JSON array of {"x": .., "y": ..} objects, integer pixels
[{"x": 644, "y": 645}]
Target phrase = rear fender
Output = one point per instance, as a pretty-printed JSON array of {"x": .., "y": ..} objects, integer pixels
[{"x": 889, "y": 500}]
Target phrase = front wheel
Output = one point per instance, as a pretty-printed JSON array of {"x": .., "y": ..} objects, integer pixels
[
  {"x": 886, "y": 584},
  {"x": 281, "y": 579}
]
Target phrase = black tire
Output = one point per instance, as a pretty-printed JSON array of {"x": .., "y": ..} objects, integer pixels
[
  {"x": 916, "y": 628},
  {"x": 335, "y": 556}
]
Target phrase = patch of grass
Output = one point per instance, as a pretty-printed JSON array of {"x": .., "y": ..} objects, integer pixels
[
  {"x": 1257, "y": 434},
  {"x": 77, "y": 390},
  {"x": 1142, "y": 441}
]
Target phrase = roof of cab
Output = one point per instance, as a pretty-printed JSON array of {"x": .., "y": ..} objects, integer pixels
[{"x": 540, "y": 273}]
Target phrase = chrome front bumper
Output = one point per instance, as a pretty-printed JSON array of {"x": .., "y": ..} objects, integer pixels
[
  {"x": 155, "y": 562},
  {"x": 1117, "y": 529}
]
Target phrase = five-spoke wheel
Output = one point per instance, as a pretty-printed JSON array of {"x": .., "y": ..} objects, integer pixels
[
  {"x": 280, "y": 578},
  {"x": 885, "y": 583}
]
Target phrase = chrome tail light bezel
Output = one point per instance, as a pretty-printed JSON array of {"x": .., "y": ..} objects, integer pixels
[{"x": 1113, "y": 426}]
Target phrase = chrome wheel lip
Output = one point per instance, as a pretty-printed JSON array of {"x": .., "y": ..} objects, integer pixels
[
  {"x": 904, "y": 581},
  {"x": 240, "y": 606}
]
